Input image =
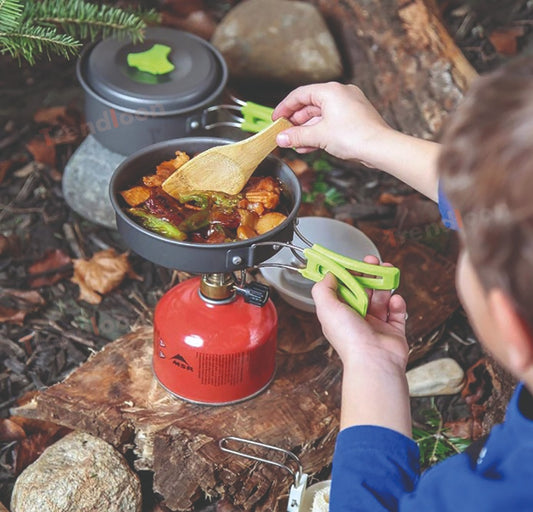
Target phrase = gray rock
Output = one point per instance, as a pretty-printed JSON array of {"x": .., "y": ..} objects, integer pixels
[
  {"x": 439, "y": 377},
  {"x": 79, "y": 473},
  {"x": 279, "y": 41},
  {"x": 86, "y": 181}
]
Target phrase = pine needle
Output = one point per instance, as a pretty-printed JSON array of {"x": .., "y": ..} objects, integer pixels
[{"x": 10, "y": 13}]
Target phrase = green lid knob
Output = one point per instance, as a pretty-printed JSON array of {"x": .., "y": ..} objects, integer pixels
[{"x": 154, "y": 61}]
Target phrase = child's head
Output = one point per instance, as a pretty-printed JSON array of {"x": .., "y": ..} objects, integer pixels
[{"x": 486, "y": 168}]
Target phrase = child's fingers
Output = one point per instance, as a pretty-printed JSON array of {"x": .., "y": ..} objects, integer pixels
[
  {"x": 307, "y": 135},
  {"x": 397, "y": 312},
  {"x": 328, "y": 304},
  {"x": 370, "y": 258},
  {"x": 325, "y": 291},
  {"x": 296, "y": 100},
  {"x": 378, "y": 305},
  {"x": 373, "y": 260},
  {"x": 306, "y": 115}
]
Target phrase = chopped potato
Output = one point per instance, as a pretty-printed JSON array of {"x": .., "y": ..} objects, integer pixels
[
  {"x": 245, "y": 232},
  {"x": 136, "y": 195},
  {"x": 248, "y": 218},
  {"x": 269, "y": 221}
]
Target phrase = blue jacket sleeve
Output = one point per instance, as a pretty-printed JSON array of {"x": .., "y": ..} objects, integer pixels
[
  {"x": 372, "y": 468},
  {"x": 450, "y": 217}
]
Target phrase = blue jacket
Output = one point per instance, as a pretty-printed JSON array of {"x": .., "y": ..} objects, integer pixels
[{"x": 377, "y": 469}]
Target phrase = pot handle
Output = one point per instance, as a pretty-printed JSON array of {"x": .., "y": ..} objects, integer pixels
[{"x": 253, "y": 118}]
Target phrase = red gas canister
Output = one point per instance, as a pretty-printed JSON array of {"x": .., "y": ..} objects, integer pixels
[{"x": 213, "y": 351}]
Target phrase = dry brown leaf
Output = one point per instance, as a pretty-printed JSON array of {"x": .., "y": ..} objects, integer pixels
[
  {"x": 22, "y": 302},
  {"x": 505, "y": 40},
  {"x": 4, "y": 167},
  {"x": 479, "y": 382},
  {"x": 12, "y": 315},
  {"x": 9, "y": 245},
  {"x": 30, "y": 297},
  {"x": 51, "y": 115},
  {"x": 460, "y": 428},
  {"x": 42, "y": 150},
  {"x": 55, "y": 264},
  {"x": 101, "y": 274},
  {"x": 30, "y": 448},
  {"x": 10, "y": 431},
  {"x": 388, "y": 198}
]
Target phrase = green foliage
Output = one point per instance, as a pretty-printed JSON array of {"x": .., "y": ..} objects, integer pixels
[
  {"x": 332, "y": 196},
  {"x": 55, "y": 27},
  {"x": 434, "y": 440}
]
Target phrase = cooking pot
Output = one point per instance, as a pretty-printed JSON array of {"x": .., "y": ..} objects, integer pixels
[
  {"x": 195, "y": 257},
  {"x": 137, "y": 94}
]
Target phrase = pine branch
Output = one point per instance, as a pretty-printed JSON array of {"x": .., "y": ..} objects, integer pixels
[
  {"x": 32, "y": 28},
  {"x": 29, "y": 41},
  {"x": 86, "y": 20}
]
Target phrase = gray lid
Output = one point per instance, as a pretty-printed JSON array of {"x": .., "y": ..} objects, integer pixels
[{"x": 198, "y": 75}]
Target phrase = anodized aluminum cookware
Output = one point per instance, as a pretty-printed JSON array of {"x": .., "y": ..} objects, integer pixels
[
  {"x": 195, "y": 257},
  {"x": 137, "y": 94}
]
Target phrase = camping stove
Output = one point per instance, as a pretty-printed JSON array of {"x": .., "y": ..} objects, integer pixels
[
  {"x": 215, "y": 340},
  {"x": 214, "y": 334}
]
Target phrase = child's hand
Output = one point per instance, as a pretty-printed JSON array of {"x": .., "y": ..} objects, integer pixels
[
  {"x": 334, "y": 117},
  {"x": 380, "y": 335},
  {"x": 374, "y": 354},
  {"x": 340, "y": 120}
]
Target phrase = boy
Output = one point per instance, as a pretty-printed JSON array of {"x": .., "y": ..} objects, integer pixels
[{"x": 485, "y": 168}]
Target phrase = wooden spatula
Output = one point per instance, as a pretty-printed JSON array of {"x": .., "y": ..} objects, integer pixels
[{"x": 225, "y": 168}]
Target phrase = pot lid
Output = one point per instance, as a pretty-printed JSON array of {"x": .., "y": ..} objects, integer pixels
[{"x": 171, "y": 69}]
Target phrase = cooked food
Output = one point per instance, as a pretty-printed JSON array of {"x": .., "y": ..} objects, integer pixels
[{"x": 204, "y": 216}]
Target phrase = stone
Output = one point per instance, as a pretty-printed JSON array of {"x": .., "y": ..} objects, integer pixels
[
  {"x": 79, "y": 473},
  {"x": 86, "y": 181},
  {"x": 439, "y": 377},
  {"x": 278, "y": 41}
]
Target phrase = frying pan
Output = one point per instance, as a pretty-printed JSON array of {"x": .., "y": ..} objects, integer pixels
[{"x": 197, "y": 257}]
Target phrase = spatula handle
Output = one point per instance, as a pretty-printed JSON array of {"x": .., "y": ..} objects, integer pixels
[{"x": 265, "y": 141}]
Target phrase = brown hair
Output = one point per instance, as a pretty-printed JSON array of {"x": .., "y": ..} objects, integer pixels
[{"x": 486, "y": 168}]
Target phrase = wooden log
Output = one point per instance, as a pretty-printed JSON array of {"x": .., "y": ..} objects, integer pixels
[
  {"x": 114, "y": 396},
  {"x": 402, "y": 56}
]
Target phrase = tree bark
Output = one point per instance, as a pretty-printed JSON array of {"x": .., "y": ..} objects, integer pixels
[{"x": 402, "y": 57}]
